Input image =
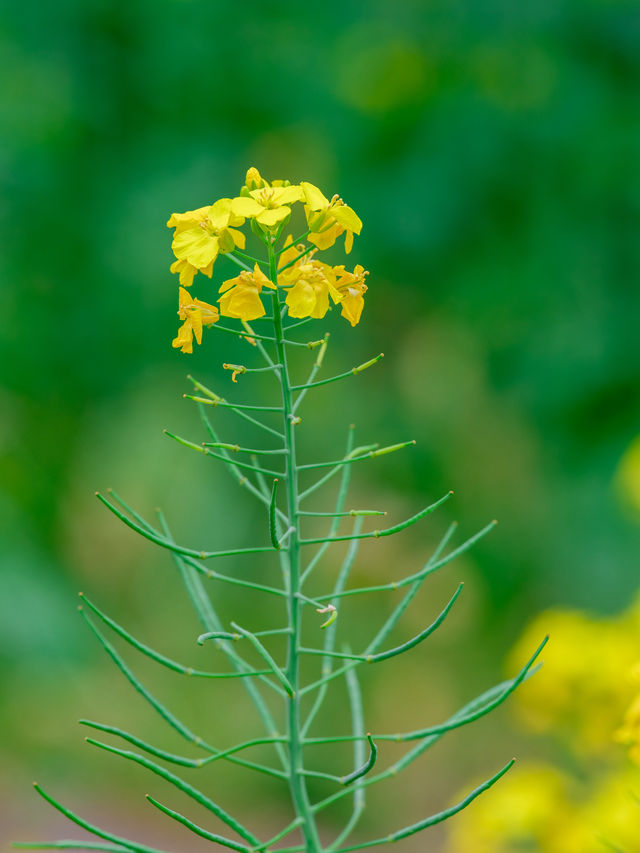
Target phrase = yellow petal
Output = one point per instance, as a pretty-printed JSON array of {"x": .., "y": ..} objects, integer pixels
[
  {"x": 194, "y": 317},
  {"x": 325, "y": 239},
  {"x": 343, "y": 214},
  {"x": 261, "y": 279},
  {"x": 238, "y": 238},
  {"x": 242, "y": 302},
  {"x": 209, "y": 314},
  {"x": 301, "y": 300},
  {"x": 247, "y": 207},
  {"x": 287, "y": 195},
  {"x": 348, "y": 241},
  {"x": 230, "y": 282},
  {"x": 184, "y": 338},
  {"x": 272, "y": 216},
  {"x": 220, "y": 212},
  {"x": 352, "y": 308},
  {"x": 188, "y": 219},
  {"x": 196, "y": 246},
  {"x": 314, "y": 198},
  {"x": 322, "y": 302},
  {"x": 290, "y": 253},
  {"x": 186, "y": 270},
  {"x": 226, "y": 243},
  {"x": 184, "y": 298}
]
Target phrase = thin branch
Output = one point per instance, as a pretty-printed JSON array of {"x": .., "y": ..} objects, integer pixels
[
  {"x": 204, "y": 449},
  {"x": 454, "y": 722},
  {"x": 165, "y": 661},
  {"x": 436, "y": 818},
  {"x": 238, "y": 412},
  {"x": 353, "y": 372},
  {"x": 264, "y": 654},
  {"x": 198, "y": 830},
  {"x": 163, "y": 711},
  {"x": 178, "y": 549},
  {"x": 428, "y": 569},
  {"x": 94, "y": 830},
  {"x": 388, "y": 531},
  {"x": 183, "y": 786},
  {"x": 371, "y": 454}
]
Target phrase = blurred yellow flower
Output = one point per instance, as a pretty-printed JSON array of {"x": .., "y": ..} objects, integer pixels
[
  {"x": 583, "y": 689},
  {"x": 195, "y": 314},
  {"x": 522, "y": 813},
  {"x": 351, "y": 287},
  {"x": 201, "y": 235},
  {"x": 241, "y": 297},
  {"x": 268, "y": 205},
  {"x": 329, "y": 219},
  {"x": 629, "y": 733}
]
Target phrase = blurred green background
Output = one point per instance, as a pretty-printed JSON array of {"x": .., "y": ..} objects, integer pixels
[{"x": 492, "y": 151}]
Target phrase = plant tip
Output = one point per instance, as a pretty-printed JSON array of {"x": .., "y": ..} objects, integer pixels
[
  {"x": 495, "y": 521},
  {"x": 81, "y": 594},
  {"x": 451, "y": 492},
  {"x": 381, "y": 355}
]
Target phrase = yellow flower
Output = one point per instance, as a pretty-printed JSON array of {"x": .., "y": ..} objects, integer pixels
[
  {"x": 309, "y": 283},
  {"x": 242, "y": 295},
  {"x": 329, "y": 219},
  {"x": 201, "y": 235},
  {"x": 268, "y": 205},
  {"x": 195, "y": 314},
  {"x": 351, "y": 288}
]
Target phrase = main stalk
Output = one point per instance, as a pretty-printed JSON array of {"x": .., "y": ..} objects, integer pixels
[{"x": 297, "y": 783}]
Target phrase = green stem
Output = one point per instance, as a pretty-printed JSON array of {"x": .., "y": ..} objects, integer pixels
[{"x": 297, "y": 782}]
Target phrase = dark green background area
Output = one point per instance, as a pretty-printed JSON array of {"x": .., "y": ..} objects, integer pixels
[{"x": 492, "y": 151}]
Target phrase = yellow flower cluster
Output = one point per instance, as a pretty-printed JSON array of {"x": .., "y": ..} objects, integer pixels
[
  {"x": 310, "y": 286},
  {"x": 591, "y": 675}
]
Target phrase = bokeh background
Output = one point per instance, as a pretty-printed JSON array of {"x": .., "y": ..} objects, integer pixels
[{"x": 493, "y": 151}]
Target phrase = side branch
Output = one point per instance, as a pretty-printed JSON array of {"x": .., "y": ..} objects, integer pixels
[
  {"x": 198, "y": 830},
  {"x": 183, "y": 786},
  {"x": 165, "y": 661},
  {"x": 358, "y": 457},
  {"x": 74, "y": 818},
  {"x": 170, "y": 546},
  {"x": 353, "y": 372},
  {"x": 264, "y": 654},
  {"x": 388, "y": 531},
  {"x": 454, "y": 722},
  {"x": 436, "y": 818},
  {"x": 430, "y": 567}
]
